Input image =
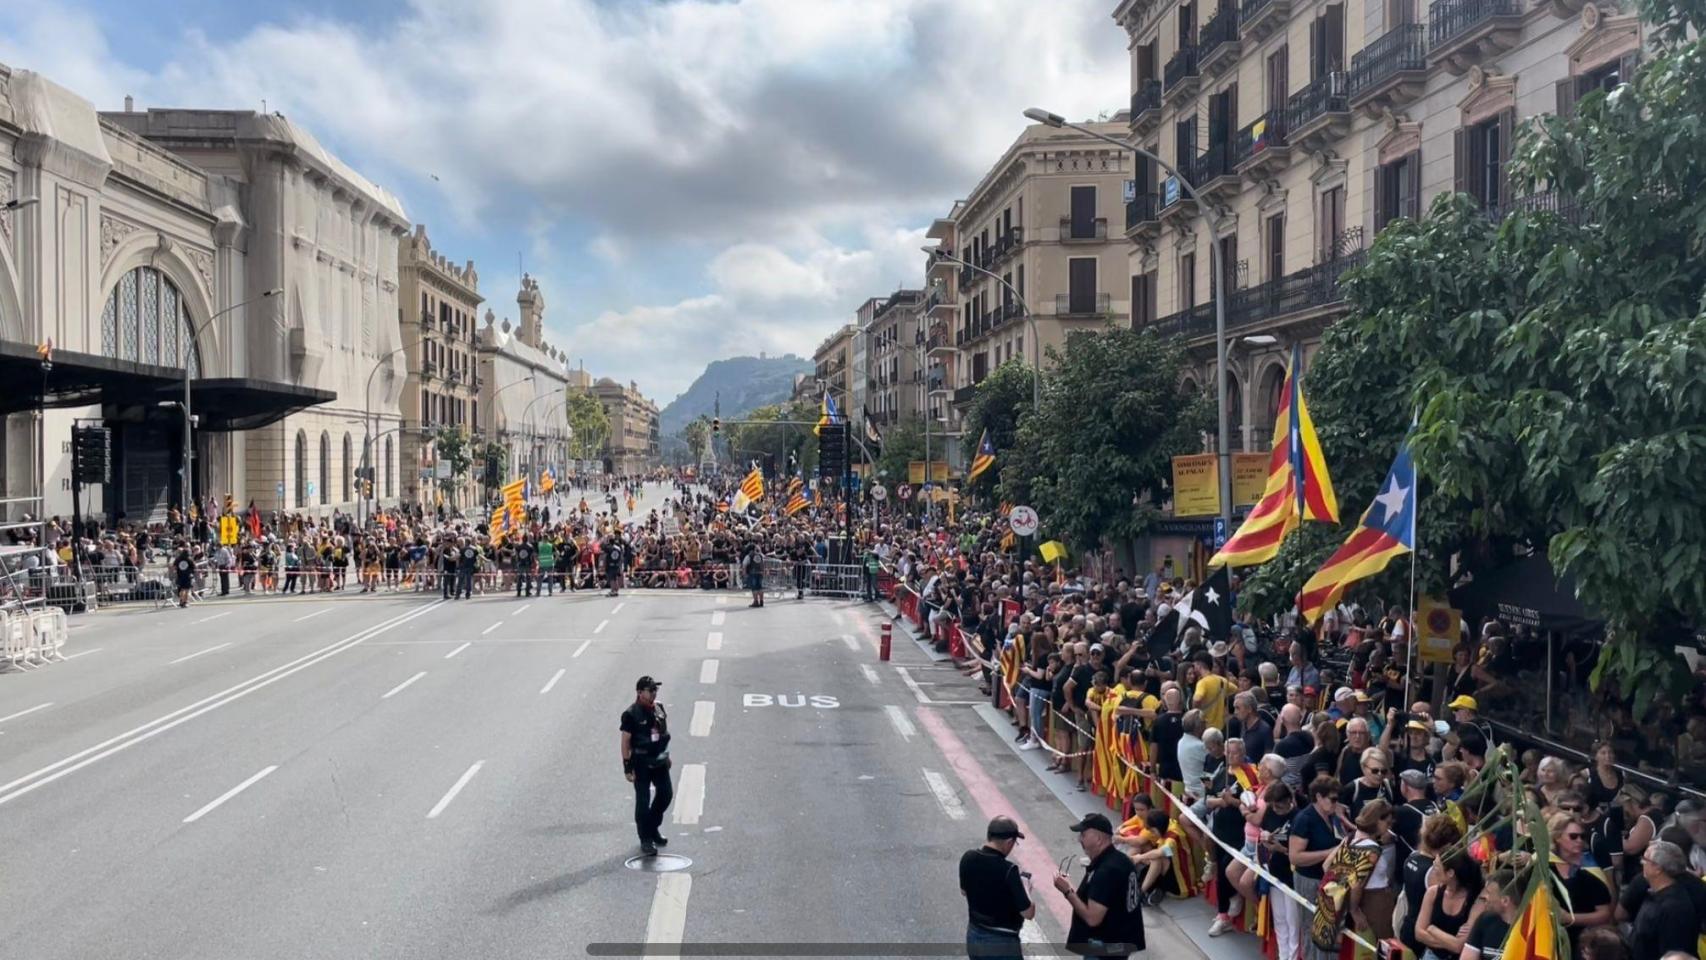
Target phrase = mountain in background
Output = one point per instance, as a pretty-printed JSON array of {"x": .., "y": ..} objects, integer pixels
[{"x": 746, "y": 383}]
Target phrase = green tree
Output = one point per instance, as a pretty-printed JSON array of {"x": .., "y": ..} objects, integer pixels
[
  {"x": 697, "y": 434},
  {"x": 1097, "y": 458},
  {"x": 778, "y": 430},
  {"x": 1001, "y": 399},
  {"x": 589, "y": 426},
  {"x": 902, "y": 444},
  {"x": 453, "y": 444}
]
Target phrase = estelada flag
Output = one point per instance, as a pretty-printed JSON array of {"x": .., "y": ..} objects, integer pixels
[
  {"x": 829, "y": 415},
  {"x": 513, "y": 492},
  {"x": 985, "y": 457},
  {"x": 1387, "y": 530},
  {"x": 547, "y": 483},
  {"x": 1298, "y": 486},
  {"x": 254, "y": 521}
]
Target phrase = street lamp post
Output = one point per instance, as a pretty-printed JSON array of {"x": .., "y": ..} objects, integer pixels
[
  {"x": 1218, "y": 278},
  {"x": 532, "y": 443},
  {"x": 189, "y": 419},
  {"x": 370, "y": 426},
  {"x": 1030, "y": 319}
]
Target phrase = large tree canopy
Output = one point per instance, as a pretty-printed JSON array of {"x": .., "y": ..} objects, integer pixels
[{"x": 1001, "y": 400}]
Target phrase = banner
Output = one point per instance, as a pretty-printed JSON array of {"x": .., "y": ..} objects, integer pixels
[
  {"x": 1439, "y": 629},
  {"x": 915, "y": 472},
  {"x": 1196, "y": 485},
  {"x": 1249, "y": 476}
]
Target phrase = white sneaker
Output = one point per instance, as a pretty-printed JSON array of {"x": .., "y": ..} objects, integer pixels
[
  {"x": 1236, "y": 907},
  {"x": 1029, "y": 744},
  {"x": 1218, "y": 927}
]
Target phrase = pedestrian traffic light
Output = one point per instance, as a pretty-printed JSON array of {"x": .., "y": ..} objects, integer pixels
[{"x": 91, "y": 455}]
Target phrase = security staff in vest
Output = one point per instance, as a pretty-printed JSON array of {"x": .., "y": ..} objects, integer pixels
[
  {"x": 645, "y": 761},
  {"x": 997, "y": 902},
  {"x": 1107, "y": 907}
]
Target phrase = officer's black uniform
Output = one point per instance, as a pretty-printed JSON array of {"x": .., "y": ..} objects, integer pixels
[
  {"x": 648, "y": 741},
  {"x": 996, "y": 898},
  {"x": 524, "y": 568}
]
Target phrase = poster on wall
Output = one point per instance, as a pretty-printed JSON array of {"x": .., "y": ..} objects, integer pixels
[{"x": 1196, "y": 485}]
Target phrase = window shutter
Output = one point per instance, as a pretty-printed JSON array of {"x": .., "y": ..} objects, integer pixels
[
  {"x": 1335, "y": 30},
  {"x": 1382, "y": 196},
  {"x": 1626, "y": 66},
  {"x": 1460, "y": 160},
  {"x": 1566, "y": 93},
  {"x": 1413, "y": 171},
  {"x": 1507, "y": 133},
  {"x": 1151, "y": 288}
]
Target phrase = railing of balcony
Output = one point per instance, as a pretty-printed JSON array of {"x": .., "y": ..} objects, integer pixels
[
  {"x": 1147, "y": 96},
  {"x": 1221, "y": 28},
  {"x": 1450, "y": 19},
  {"x": 1181, "y": 67},
  {"x": 1214, "y": 162},
  {"x": 965, "y": 394},
  {"x": 1260, "y": 134},
  {"x": 1549, "y": 201},
  {"x": 1398, "y": 50},
  {"x": 1096, "y": 229},
  {"x": 1307, "y": 289},
  {"x": 1143, "y": 209},
  {"x": 1250, "y": 8},
  {"x": 968, "y": 276},
  {"x": 1325, "y": 94},
  {"x": 1065, "y": 304}
]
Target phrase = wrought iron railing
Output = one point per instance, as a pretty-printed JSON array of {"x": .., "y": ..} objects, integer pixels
[
  {"x": 1065, "y": 304},
  {"x": 1146, "y": 97},
  {"x": 1221, "y": 28},
  {"x": 1450, "y": 19},
  {"x": 1212, "y": 163},
  {"x": 1181, "y": 67},
  {"x": 1324, "y": 95},
  {"x": 1263, "y": 133},
  {"x": 1094, "y": 229},
  {"x": 1143, "y": 209},
  {"x": 1403, "y": 48}
]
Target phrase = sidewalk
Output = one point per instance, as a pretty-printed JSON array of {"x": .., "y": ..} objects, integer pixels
[{"x": 907, "y": 630}]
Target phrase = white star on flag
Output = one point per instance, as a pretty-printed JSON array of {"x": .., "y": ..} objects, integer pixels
[
  {"x": 1211, "y": 595},
  {"x": 1392, "y": 499}
]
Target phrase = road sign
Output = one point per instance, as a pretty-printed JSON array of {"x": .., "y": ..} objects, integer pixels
[
  {"x": 879, "y": 492},
  {"x": 281, "y": 489},
  {"x": 1219, "y": 532},
  {"x": 1023, "y": 520},
  {"x": 904, "y": 491},
  {"x": 442, "y": 469}
]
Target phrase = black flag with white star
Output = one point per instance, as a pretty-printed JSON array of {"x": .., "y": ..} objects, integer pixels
[{"x": 1211, "y": 605}]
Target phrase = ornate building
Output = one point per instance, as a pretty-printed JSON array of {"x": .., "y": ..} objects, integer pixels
[
  {"x": 633, "y": 443},
  {"x": 440, "y": 306},
  {"x": 523, "y": 383}
]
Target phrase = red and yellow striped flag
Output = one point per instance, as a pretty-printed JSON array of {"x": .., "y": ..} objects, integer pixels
[{"x": 1534, "y": 936}]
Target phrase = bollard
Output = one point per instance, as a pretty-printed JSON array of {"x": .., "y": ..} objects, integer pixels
[{"x": 888, "y": 633}]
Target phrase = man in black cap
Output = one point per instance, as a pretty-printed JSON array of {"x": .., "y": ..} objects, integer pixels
[
  {"x": 645, "y": 761},
  {"x": 1107, "y": 907},
  {"x": 996, "y": 898}
]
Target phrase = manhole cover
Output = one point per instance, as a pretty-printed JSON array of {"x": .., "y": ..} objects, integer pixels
[{"x": 662, "y": 863}]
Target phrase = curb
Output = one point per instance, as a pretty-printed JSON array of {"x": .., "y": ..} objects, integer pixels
[{"x": 928, "y": 648}]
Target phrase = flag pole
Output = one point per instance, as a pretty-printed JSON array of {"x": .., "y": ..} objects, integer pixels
[{"x": 1414, "y": 656}]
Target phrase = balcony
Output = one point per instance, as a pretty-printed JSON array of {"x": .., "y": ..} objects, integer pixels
[
  {"x": 1262, "y": 147},
  {"x": 1547, "y": 201},
  {"x": 1213, "y": 173},
  {"x": 428, "y": 320},
  {"x": 1176, "y": 201},
  {"x": 1142, "y": 216},
  {"x": 1071, "y": 232},
  {"x": 1259, "y": 19},
  {"x": 1311, "y": 292},
  {"x": 1145, "y": 106},
  {"x": 1180, "y": 76},
  {"x": 429, "y": 369},
  {"x": 941, "y": 268},
  {"x": 1098, "y": 306},
  {"x": 968, "y": 276},
  {"x": 1217, "y": 48},
  {"x": 940, "y": 340},
  {"x": 1391, "y": 71},
  {"x": 1462, "y": 33},
  {"x": 1006, "y": 245},
  {"x": 1318, "y": 113},
  {"x": 964, "y": 395}
]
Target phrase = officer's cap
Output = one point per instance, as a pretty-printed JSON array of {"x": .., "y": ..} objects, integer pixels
[{"x": 646, "y": 683}]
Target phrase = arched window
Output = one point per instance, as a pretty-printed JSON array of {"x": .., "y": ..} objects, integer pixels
[
  {"x": 325, "y": 467},
  {"x": 1273, "y": 382},
  {"x": 1234, "y": 412},
  {"x": 145, "y": 320},
  {"x": 301, "y": 468},
  {"x": 388, "y": 492},
  {"x": 348, "y": 467}
]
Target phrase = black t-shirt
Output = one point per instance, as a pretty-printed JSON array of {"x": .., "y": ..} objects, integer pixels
[
  {"x": 649, "y": 733},
  {"x": 1349, "y": 766},
  {"x": 1355, "y": 794},
  {"x": 1317, "y": 834},
  {"x": 1669, "y": 920},
  {"x": 1488, "y": 936},
  {"x": 1111, "y": 881},
  {"x": 1081, "y": 676},
  {"x": 1414, "y": 877},
  {"x": 523, "y": 556},
  {"x": 1407, "y": 819},
  {"x": 995, "y": 893},
  {"x": 1258, "y": 739},
  {"x": 1587, "y": 893},
  {"x": 1057, "y": 686},
  {"x": 1227, "y": 820},
  {"x": 1296, "y": 747},
  {"x": 1166, "y": 731},
  {"x": 1278, "y": 864}
]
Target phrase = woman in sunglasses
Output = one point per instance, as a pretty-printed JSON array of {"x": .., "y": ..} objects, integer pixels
[
  {"x": 1371, "y": 785},
  {"x": 1590, "y": 892}
]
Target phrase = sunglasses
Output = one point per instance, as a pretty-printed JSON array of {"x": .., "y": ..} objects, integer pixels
[
  {"x": 1377, "y": 771},
  {"x": 1573, "y": 836}
]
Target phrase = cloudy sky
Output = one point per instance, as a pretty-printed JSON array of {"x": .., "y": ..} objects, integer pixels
[{"x": 688, "y": 179}]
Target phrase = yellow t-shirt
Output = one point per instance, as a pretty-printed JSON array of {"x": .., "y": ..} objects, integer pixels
[{"x": 1210, "y": 694}]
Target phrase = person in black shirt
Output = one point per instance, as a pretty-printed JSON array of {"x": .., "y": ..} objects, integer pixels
[
  {"x": 645, "y": 762},
  {"x": 997, "y": 904},
  {"x": 1167, "y": 730},
  {"x": 1107, "y": 907},
  {"x": 1667, "y": 917},
  {"x": 523, "y": 559},
  {"x": 1486, "y": 940}
]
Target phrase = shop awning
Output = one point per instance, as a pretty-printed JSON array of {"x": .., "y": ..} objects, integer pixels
[
  {"x": 83, "y": 379},
  {"x": 1527, "y": 592}
]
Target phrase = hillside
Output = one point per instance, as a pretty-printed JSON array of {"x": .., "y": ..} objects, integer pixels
[{"x": 745, "y": 383}]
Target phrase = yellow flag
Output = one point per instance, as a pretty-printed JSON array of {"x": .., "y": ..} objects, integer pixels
[{"x": 1052, "y": 550}]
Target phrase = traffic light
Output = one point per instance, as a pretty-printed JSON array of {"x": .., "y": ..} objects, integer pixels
[
  {"x": 832, "y": 451},
  {"x": 716, "y": 426},
  {"x": 91, "y": 454}
]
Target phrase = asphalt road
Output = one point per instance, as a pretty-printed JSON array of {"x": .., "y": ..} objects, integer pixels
[{"x": 401, "y": 777}]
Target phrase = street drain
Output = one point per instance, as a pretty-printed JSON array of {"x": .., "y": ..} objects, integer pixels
[{"x": 662, "y": 863}]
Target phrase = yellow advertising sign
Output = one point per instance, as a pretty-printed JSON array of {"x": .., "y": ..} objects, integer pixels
[
  {"x": 1249, "y": 477},
  {"x": 1438, "y": 630},
  {"x": 1196, "y": 486},
  {"x": 915, "y": 472},
  {"x": 228, "y": 530}
]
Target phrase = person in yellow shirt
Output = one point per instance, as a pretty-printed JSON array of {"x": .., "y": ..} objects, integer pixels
[{"x": 1213, "y": 691}]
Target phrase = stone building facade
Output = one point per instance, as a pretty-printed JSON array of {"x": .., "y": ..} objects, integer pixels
[
  {"x": 439, "y": 304},
  {"x": 523, "y": 389}
]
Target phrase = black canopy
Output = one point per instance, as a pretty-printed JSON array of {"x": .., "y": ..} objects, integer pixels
[{"x": 1525, "y": 591}]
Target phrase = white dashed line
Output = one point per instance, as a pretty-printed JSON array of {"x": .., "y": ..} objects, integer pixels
[
  {"x": 714, "y": 640},
  {"x": 852, "y": 644},
  {"x": 198, "y": 653},
  {"x": 708, "y": 672},
  {"x": 491, "y": 628},
  {"x": 553, "y": 681},
  {"x": 461, "y": 782},
  {"x": 310, "y": 616},
  {"x": 582, "y": 648},
  {"x": 522, "y": 609},
  {"x": 690, "y": 795},
  {"x": 399, "y": 688},
  {"x": 870, "y": 673},
  {"x": 704, "y": 714},
  {"x": 668, "y": 919},
  {"x": 618, "y": 608},
  {"x": 239, "y": 788},
  {"x": 911, "y": 684},
  {"x": 214, "y": 617},
  {"x": 458, "y": 650},
  {"x": 601, "y": 625},
  {"x": 717, "y": 617},
  {"x": 902, "y": 725},
  {"x": 84, "y": 653},
  {"x": 945, "y": 795},
  {"x": 44, "y": 706}
]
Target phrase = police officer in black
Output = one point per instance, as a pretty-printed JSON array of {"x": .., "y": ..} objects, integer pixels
[
  {"x": 645, "y": 761},
  {"x": 523, "y": 559},
  {"x": 1107, "y": 906},
  {"x": 997, "y": 902}
]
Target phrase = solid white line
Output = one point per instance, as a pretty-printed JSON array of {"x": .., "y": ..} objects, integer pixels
[
  {"x": 601, "y": 625},
  {"x": 200, "y": 652},
  {"x": 870, "y": 674},
  {"x": 945, "y": 795},
  {"x": 902, "y": 725},
  {"x": 668, "y": 920},
  {"x": 458, "y": 650},
  {"x": 310, "y": 616},
  {"x": 239, "y": 788},
  {"x": 582, "y": 648},
  {"x": 214, "y": 617},
  {"x": 44, "y": 706},
  {"x": 522, "y": 609},
  {"x": 717, "y": 618},
  {"x": 491, "y": 628},
  {"x": 31, "y": 781},
  {"x": 399, "y": 688},
  {"x": 704, "y": 713},
  {"x": 852, "y": 644},
  {"x": 618, "y": 608},
  {"x": 84, "y": 653},
  {"x": 690, "y": 795},
  {"x": 553, "y": 681},
  {"x": 714, "y": 640},
  {"x": 461, "y": 782},
  {"x": 708, "y": 672},
  {"x": 912, "y": 684}
]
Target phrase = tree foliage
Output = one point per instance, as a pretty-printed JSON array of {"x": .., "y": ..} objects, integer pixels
[
  {"x": 697, "y": 434},
  {"x": 902, "y": 444},
  {"x": 589, "y": 426},
  {"x": 777, "y": 430},
  {"x": 1001, "y": 400},
  {"x": 453, "y": 444}
]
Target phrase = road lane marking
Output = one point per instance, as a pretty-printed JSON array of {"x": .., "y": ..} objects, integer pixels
[
  {"x": 523, "y": 609},
  {"x": 214, "y": 617},
  {"x": 901, "y": 724},
  {"x": 310, "y": 616},
  {"x": 491, "y": 628},
  {"x": 945, "y": 795},
  {"x": 870, "y": 673},
  {"x": 618, "y": 608},
  {"x": 44, "y": 706},
  {"x": 458, "y": 650},
  {"x": 239, "y": 788},
  {"x": 582, "y": 648},
  {"x": 455, "y": 789},
  {"x": 911, "y": 684},
  {"x": 714, "y": 640},
  {"x": 667, "y": 922},
  {"x": 66, "y": 766},
  {"x": 717, "y": 618},
  {"x": 84, "y": 653},
  {"x": 200, "y": 652},
  {"x": 704, "y": 714},
  {"x": 399, "y": 688},
  {"x": 553, "y": 681},
  {"x": 852, "y": 644},
  {"x": 722, "y": 600},
  {"x": 708, "y": 672},
  {"x": 601, "y": 625},
  {"x": 690, "y": 795}
]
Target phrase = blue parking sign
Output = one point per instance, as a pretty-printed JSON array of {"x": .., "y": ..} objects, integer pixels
[{"x": 1219, "y": 532}]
